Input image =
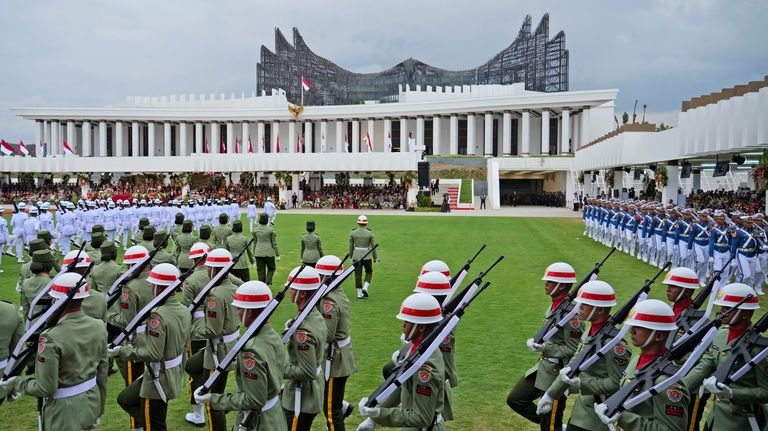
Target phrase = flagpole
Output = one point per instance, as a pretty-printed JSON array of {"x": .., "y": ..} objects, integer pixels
[{"x": 301, "y": 86}]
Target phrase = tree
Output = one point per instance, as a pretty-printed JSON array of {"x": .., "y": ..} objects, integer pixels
[
  {"x": 661, "y": 127},
  {"x": 625, "y": 118}
]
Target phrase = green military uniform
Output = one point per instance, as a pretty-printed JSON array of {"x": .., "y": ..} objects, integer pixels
[
  {"x": 33, "y": 285},
  {"x": 205, "y": 236},
  {"x": 222, "y": 231},
  {"x": 184, "y": 242},
  {"x": 72, "y": 353},
  {"x": 177, "y": 228},
  {"x": 11, "y": 331},
  {"x": 418, "y": 403},
  {"x": 557, "y": 352},
  {"x": 89, "y": 247},
  {"x": 97, "y": 238},
  {"x": 599, "y": 381},
  {"x": 162, "y": 256},
  {"x": 162, "y": 347},
  {"x": 265, "y": 250},
  {"x": 306, "y": 357},
  {"x": 259, "y": 376},
  {"x": 25, "y": 272},
  {"x": 750, "y": 392},
  {"x": 335, "y": 310},
  {"x": 665, "y": 411},
  {"x": 448, "y": 349},
  {"x": 237, "y": 243},
  {"x": 103, "y": 276},
  {"x": 361, "y": 240},
  {"x": 147, "y": 237},
  {"x": 311, "y": 248},
  {"x": 95, "y": 305}
]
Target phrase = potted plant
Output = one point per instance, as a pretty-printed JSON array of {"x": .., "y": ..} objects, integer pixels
[{"x": 661, "y": 176}]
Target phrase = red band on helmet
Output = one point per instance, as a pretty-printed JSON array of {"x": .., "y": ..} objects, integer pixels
[
  {"x": 85, "y": 259},
  {"x": 134, "y": 256},
  {"x": 421, "y": 313},
  {"x": 322, "y": 267},
  {"x": 654, "y": 318},
  {"x": 307, "y": 280},
  {"x": 683, "y": 279},
  {"x": 164, "y": 277},
  {"x": 251, "y": 298},
  {"x": 215, "y": 259},
  {"x": 598, "y": 296},
  {"x": 561, "y": 274},
  {"x": 196, "y": 253},
  {"x": 735, "y": 299},
  {"x": 436, "y": 286},
  {"x": 445, "y": 273},
  {"x": 65, "y": 289}
]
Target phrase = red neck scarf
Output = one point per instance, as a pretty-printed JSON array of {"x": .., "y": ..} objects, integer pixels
[
  {"x": 646, "y": 359},
  {"x": 679, "y": 306},
  {"x": 734, "y": 333},
  {"x": 596, "y": 327}
]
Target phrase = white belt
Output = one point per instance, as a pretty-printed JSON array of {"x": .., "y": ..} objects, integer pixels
[
  {"x": 231, "y": 337},
  {"x": 3, "y": 363},
  {"x": 74, "y": 390},
  {"x": 173, "y": 363},
  {"x": 198, "y": 314},
  {"x": 141, "y": 329},
  {"x": 552, "y": 360},
  {"x": 271, "y": 403},
  {"x": 361, "y": 248},
  {"x": 344, "y": 342}
]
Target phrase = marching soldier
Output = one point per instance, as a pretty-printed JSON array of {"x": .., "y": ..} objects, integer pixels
[
  {"x": 219, "y": 326},
  {"x": 555, "y": 354},
  {"x": 251, "y": 214},
  {"x": 11, "y": 330},
  {"x": 701, "y": 236},
  {"x": 740, "y": 405},
  {"x": 259, "y": 368},
  {"x": 651, "y": 324},
  {"x": 206, "y": 237},
  {"x": 720, "y": 249},
  {"x": 222, "y": 231},
  {"x": 162, "y": 348},
  {"x": 25, "y": 272},
  {"x": 147, "y": 237},
  {"x": 602, "y": 378},
  {"x": 340, "y": 356},
  {"x": 302, "y": 396},
  {"x": 265, "y": 249},
  {"x": 104, "y": 275},
  {"x": 160, "y": 242},
  {"x": 93, "y": 249},
  {"x": 361, "y": 240},
  {"x": 71, "y": 365},
  {"x": 311, "y": 248},
  {"x": 419, "y": 404},
  {"x": 235, "y": 243},
  {"x": 31, "y": 225},
  {"x": 178, "y": 225},
  {"x": 95, "y": 305},
  {"x": 17, "y": 222},
  {"x": 184, "y": 242},
  {"x": 42, "y": 264}
]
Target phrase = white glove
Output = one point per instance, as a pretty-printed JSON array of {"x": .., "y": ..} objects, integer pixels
[
  {"x": 15, "y": 395},
  {"x": 12, "y": 238},
  {"x": 368, "y": 412},
  {"x": 534, "y": 347},
  {"x": 277, "y": 258},
  {"x": 716, "y": 388},
  {"x": 56, "y": 234},
  {"x": 8, "y": 384},
  {"x": 711, "y": 260},
  {"x": 253, "y": 261},
  {"x": 734, "y": 263},
  {"x": 201, "y": 398},
  {"x": 545, "y": 405},
  {"x": 600, "y": 410},
  {"x": 367, "y": 425},
  {"x": 396, "y": 357},
  {"x": 113, "y": 351},
  {"x": 97, "y": 423},
  {"x": 288, "y": 324},
  {"x": 573, "y": 382}
]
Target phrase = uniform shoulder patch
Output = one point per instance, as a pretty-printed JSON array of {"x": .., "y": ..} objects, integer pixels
[
  {"x": 302, "y": 336},
  {"x": 211, "y": 302},
  {"x": 41, "y": 345},
  {"x": 154, "y": 321},
  {"x": 424, "y": 374},
  {"x": 674, "y": 395},
  {"x": 575, "y": 323},
  {"x": 327, "y": 305},
  {"x": 424, "y": 390},
  {"x": 124, "y": 295},
  {"x": 620, "y": 349},
  {"x": 249, "y": 364}
]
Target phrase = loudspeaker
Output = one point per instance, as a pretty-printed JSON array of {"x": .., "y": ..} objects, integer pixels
[
  {"x": 685, "y": 170},
  {"x": 423, "y": 174},
  {"x": 721, "y": 168}
]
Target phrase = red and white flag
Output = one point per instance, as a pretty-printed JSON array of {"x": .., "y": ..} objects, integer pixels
[
  {"x": 23, "y": 150},
  {"x": 42, "y": 148},
  {"x": 237, "y": 145},
  {"x": 369, "y": 141},
  {"x": 305, "y": 84},
  {"x": 250, "y": 146},
  {"x": 6, "y": 148},
  {"x": 222, "y": 146},
  {"x": 263, "y": 145},
  {"x": 389, "y": 142},
  {"x": 68, "y": 151},
  {"x": 206, "y": 150},
  {"x": 346, "y": 143},
  {"x": 277, "y": 147},
  {"x": 298, "y": 143}
]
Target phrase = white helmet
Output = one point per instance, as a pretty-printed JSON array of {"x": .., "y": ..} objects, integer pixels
[
  {"x": 163, "y": 274},
  {"x": 135, "y": 254},
  {"x": 65, "y": 282},
  {"x": 420, "y": 308},
  {"x": 653, "y": 314},
  {"x": 436, "y": 265},
  {"x": 33, "y": 210},
  {"x": 198, "y": 249},
  {"x": 560, "y": 272},
  {"x": 83, "y": 261},
  {"x": 362, "y": 220},
  {"x": 269, "y": 198},
  {"x": 433, "y": 283},
  {"x": 252, "y": 294},
  {"x": 596, "y": 293},
  {"x": 218, "y": 258},
  {"x": 308, "y": 279},
  {"x": 45, "y": 206},
  {"x": 21, "y": 205},
  {"x": 329, "y": 264},
  {"x": 682, "y": 277},
  {"x": 731, "y": 294}
]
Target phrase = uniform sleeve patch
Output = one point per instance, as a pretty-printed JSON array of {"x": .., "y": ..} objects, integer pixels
[
  {"x": 620, "y": 349},
  {"x": 424, "y": 374},
  {"x": 249, "y": 375},
  {"x": 154, "y": 322},
  {"x": 575, "y": 334},
  {"x": 674, "y": 395},
  {"x": 676, "y": 411},
  {"x": 424, "y": 390},
  {"x": 249, "y": 364},
  {"x": 41, "y": 345},
  {"x": 327, "y": 306},
  {"x": 621, "y": 361},
  {"x": 301, "y": 336},
  {"x": 212, "y": 303},
  {"x": 575, "y": 323},
  {"x": 124, "y": 295}
]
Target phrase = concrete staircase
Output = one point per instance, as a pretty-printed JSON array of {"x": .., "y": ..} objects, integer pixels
[{"x": 453, "y": 200}]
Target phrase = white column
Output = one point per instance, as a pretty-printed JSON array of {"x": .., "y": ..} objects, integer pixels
[
  {"x": 167, "y": 139},
  {"x": 230, "y": 137},
  {"x": 526, "y": 128},
  {"x": 87, "y": 138},
  {"x": 259, "y": 136},
  {"x": 565, "y": 134},
  {"x": 323, "y": 136},
  {"x": 506, "y": 146},
  {"x": 102, "y": 139},
  {"x": 545, "y": 131},
  {"x": 471, "y": 134},
  {"x": 47, "y": 144},
  {"x": 339, "y": 136},
  {"x": 151, "y": 139},
  {"x": 274, "y": 133},
  {"x": 355, "y": 136},
  {"x": 387, "y": 132},
  {"x": 71, "y": 136},
  {"x": 199, "y": 137},
  {"x": 135, "y": 148},
  {"x": 436, "y": 135},
  {"x": 488, "y": 135},
  {"x": 245, "y": 133},
  {"x": 420, "y": 131},
  {"x": 584, "y": 127},
  {"x": 370, "y": 134},
  {"x": 215, "y": 144},
  {"x": 291, "y": 136},
  {"x": 308, "y": 138},
  {"x": 404, "y": 134},
  {"x": 183, "y": 144},
  {"x": 696, "y": 180},
  {"x": 673, "y": 182},
  {"x": 493, "y": 199},
  {"x": 453, "y": 145},
  {"x": 55, "y": 144},
  {"x": 118, "y": 138},
  {"x": 39, "y": 132}
]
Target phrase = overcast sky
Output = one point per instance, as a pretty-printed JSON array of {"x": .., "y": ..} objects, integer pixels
[{"x": 94, "y": 53}]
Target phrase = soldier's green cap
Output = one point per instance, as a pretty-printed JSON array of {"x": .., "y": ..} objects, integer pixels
[
  {"x": 311, "y": 225},
  {"x": 205, "y": 231},
  {"x": 97, "y": 228},
  {"x": 143, "y": 222},
  {"x": 223, "y": 218},
  {"x": 96, "y": 235},
  {"x": 237, "y": 226},
  {"x": 43, "y": 256},
  {"x": 44, "y": 234},
  {"x": 108, "y": 247},
  {"x": 159, "y": 236},
  {"x": 263, "y": 218},
  {"x": 187, "y": 226},
  {"x": 148, "y": 232},
  {"x": 37, "y": 244},
  {"x": 179, "y": 218}
]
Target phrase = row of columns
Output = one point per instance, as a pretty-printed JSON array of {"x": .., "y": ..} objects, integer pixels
[{"x": 85, "y": 143}]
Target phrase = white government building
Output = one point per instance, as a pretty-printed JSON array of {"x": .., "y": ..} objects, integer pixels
[{"x": 522, "y": 134}]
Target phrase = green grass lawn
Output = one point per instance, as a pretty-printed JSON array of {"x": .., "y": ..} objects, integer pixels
[
  {"x": 465, "y": 193},
  {"x": 491, "y": 353}
]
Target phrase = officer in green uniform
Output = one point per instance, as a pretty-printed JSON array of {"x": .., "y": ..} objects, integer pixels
[
  {"x": 95, "y": 304},
  {"x": 206, "y": 237},
  {"x": 302, "y": 396},
  {"x": 340, "y": 362},
  {"x": 311, "y": 248},
  {"x": 222, "y": 231},
  {"x": 178, "y": 224},
  {"x": 160, "y": 242},
  {"x": 651, "y": 323},
  {"x": 71, "y": 365},
  {"x": 418, "y": 403},
  {"x": 259, "y": 370},
  {"x": 184, "y": 242},
  {"x": 603, "y": 377},
  {"x": 143, "y": 222},
  {"x": 11, "y": 331},
  {"x": 42, "y": 264},
  {"x": 740, "y": 404},
  {"x": 220, "y": 328},
  {"x": 265, "y": 249},
  {"x": 555, "y": 354},
  {"x": 25, "y": 271},
  {"x": 148, "y": 237},
  {"x": 104, "y": 275},
  {"x": 162, "y": 348},
  {"x": 360, "y": 242},
  {"x": 236, "y": 242},
  {"x": 89, "y": 247},
  {"x": 97, "y": 239}
]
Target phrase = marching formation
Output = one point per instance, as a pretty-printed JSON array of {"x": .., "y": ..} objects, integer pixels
[{"x": 180, "y": 311}]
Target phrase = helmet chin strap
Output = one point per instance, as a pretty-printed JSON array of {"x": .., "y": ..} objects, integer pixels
[
  {"x": 591, "y": 313},
  {"x": 680, "y": 295},
  {"x": 735, "y": 315},
  {"x": 649, "y": 339},
  {"x": 409, "y": 337},
  {"x": 557, "y": 286}
]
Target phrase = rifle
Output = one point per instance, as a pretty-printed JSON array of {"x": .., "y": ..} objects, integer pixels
[
  {"x": 114, "y": 291},
  {"x": 609, "y": 335},
  {"x": 44, "y": 291},
  {"x": 566, "y": 309},
  {"x": 215, "y": 280},
  {"x": 469, "y": 292},
  {"x": 15, "y": 208},
  {"x": 741, "y": 353},
  {"x": 666, "y": 364},
  {"x": 426, "y": 348},
  {"x": 60, "y": 207},
  {"x": 458, "y": 278}
]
